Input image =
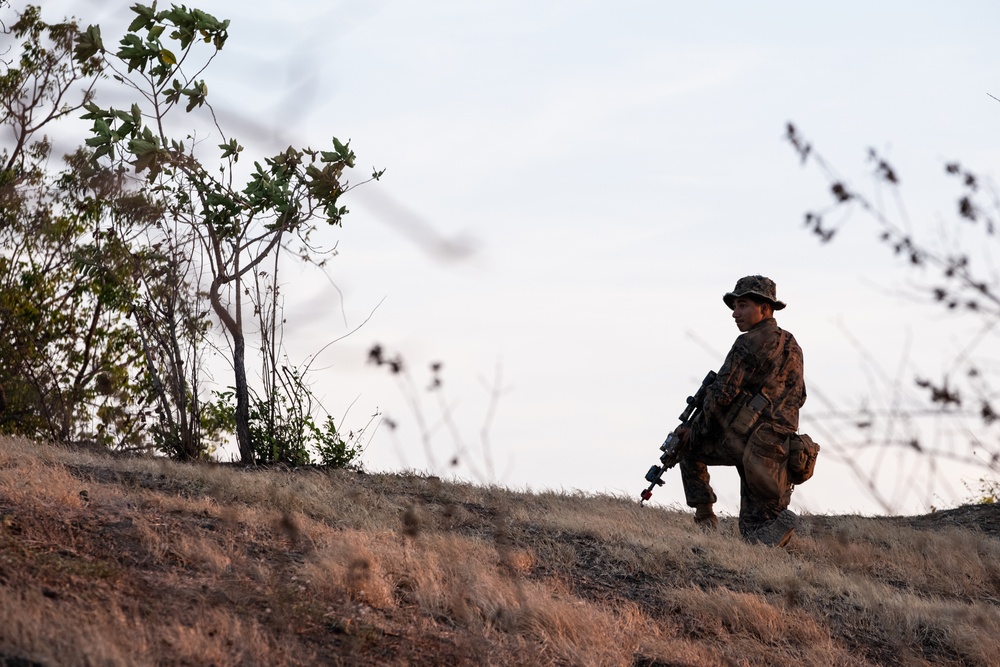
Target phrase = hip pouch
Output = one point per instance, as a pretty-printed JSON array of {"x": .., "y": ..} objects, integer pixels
[
  {"x": 744, "y": 420},
  {"x": 802, "y": 453}
]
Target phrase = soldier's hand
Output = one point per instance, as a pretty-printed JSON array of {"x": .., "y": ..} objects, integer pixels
[{"x": 684, "y": 434}]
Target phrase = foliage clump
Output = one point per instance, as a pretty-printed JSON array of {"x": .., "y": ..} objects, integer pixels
[{"x": 114, "y": 261}]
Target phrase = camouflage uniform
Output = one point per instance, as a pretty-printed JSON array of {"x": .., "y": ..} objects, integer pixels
[{"x": 764, "y": 359}]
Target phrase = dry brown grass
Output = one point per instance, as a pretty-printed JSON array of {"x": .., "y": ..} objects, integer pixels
[{"x": 126, "y": 561}]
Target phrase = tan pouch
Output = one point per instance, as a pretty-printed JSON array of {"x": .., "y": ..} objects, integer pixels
[
  {"x": 748, "y": 415},
  {"x": 802, "y": 453}
]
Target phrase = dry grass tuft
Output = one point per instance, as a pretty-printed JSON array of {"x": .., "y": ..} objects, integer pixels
[
  {"x": 32, "y": 481},
  {"x": 344, "y": 566}
]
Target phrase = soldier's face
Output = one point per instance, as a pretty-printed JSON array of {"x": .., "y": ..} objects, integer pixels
[{"x": 747, "y": 313}]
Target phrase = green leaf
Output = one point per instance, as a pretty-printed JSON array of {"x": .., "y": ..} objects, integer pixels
[
  {"x": 146, "y": 161},
  {"x": 140, "y": 148},
  {"x": 144, "y": 17},
  {"x": 231, "y": 149},
  {"x": 93, "y": 111},
  {"x": 167, "y": 56},
  {"x": 344, "y": 151},
  {"x": 136, "y": 53},
  {"x": 88, "y": 44}
]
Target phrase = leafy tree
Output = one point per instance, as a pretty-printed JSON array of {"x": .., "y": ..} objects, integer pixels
[
  {"x": 63, "y": 346},
  {"x": 102, "y": 316},
  {"x": 95, "y": 298},
  {"x": 160, "y": 60}
]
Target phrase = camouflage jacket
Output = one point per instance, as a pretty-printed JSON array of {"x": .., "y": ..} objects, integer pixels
[{"x": 756, "y": 364}]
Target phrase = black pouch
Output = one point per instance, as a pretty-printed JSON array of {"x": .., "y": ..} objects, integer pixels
[{"x": 802, "y": 453}]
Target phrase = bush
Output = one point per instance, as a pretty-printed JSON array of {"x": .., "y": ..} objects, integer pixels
[{"x": 281, "y": 431}]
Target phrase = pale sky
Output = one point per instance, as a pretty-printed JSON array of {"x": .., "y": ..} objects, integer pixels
[{"x": 615, "y": 168}]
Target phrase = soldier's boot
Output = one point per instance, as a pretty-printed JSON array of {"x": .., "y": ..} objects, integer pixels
[
  {"x": 705, "y": 518},
  {"x": 777, "y": 532}
]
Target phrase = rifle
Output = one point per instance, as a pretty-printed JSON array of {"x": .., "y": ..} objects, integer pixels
[{"x": 671, "y": 447}]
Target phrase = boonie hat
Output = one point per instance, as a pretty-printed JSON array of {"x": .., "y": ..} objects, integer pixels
[{"x": 758, "y": 286}]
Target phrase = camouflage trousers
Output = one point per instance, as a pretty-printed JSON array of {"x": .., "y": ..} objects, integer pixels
[{"x": 760, "y": 461}]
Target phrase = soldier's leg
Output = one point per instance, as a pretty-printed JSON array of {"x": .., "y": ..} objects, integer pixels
[
  {"x": 757, "y": 510},
  {"x": 764, "y": 488},
  {"x": 698, "y": 492},
  {"x": 716, "y": 450},
  {"x": 697, "y": 482}
]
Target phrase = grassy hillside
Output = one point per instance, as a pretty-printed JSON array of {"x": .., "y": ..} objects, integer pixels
[{"x": 122, "y": 561}]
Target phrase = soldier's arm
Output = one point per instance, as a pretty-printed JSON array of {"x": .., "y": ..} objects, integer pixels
[
  {"x": 726, "y": 388},
  {"x": 729, "y": 380}
]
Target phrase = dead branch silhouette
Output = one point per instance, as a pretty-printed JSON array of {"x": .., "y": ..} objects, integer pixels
[{"x": 932, "y": 421}]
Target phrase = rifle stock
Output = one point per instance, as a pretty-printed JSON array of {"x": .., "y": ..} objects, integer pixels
[{"x": 672, "y": 447}]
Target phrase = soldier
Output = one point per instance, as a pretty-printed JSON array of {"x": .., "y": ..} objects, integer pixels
[{"x": 749, "y": 412}]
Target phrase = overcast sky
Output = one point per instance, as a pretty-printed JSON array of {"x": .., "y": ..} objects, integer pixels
[{"x": 613, "y": 168}]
